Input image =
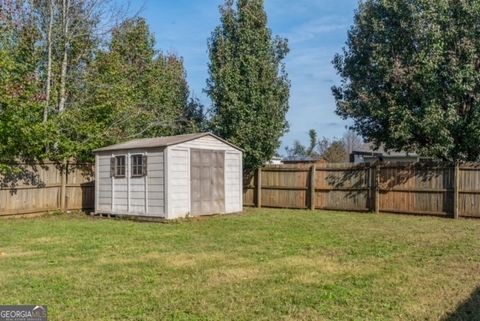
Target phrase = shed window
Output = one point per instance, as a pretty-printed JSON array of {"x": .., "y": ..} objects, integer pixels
[
  {"x": 118, "y": 166},
  {"x": 139, "y": 165}
]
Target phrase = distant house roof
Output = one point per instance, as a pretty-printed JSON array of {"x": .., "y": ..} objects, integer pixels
[
  {"x": 301, "y": 159},
  {"x": 369, "y": 149},
  {"x": 160, "y": 142}
]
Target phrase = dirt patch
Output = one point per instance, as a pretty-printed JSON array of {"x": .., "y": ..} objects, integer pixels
[
  {"x": 190, "y": 260},
  {"x": 315, "y": 269},
  {"x": 18, "y": 253},
  {"x": 172, "y": 260},
  {"x": 323, "y": 263},
  {"x": 234, "y": 275}
]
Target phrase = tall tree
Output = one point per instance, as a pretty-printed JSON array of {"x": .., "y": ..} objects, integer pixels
[
  {"x": 67, "y": 87},
  {"x": 132, "y": 91},
  {"x": 48, "y": 86},
  {"x": 21, "y": 133},
  {"x": 410, "y": 76},
  {"x": 299, "y": 150},
  {"x": 70, "y": 31},
  {"x": 351, "y": 141},
  {"x": 333, "y": 151},
  {"x": 313, "y": 136},
  {"x": 193, "y": 119},
  {"x": 247, "y": 81},
  {"x": 157, "y": 79},
  {"x": 296, "y": 150},
  {"x": 330, "y": 150}
]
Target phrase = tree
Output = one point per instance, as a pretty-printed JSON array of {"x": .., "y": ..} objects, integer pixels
[
  {"x": 48, "y": 86},
  {"x": 351, "y": 141},
  {"x": 159, "y": 88},
  {"x": 193, "y": 118},
  {"x": 131, "y": 91},
  {"x": 69, "y": 83},
  {"x": 410, "y": 76},
  {"x": 312, "y": 134},
  {"x": 334, "y": 151},
  {"x": 70, "y": 31},
  {"x": 21, "y": 133},
  {"x": 297, "y": 150},
  {"x": 247, "y": 81}
]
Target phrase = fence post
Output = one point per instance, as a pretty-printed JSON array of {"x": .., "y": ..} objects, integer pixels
[
  {"x": 371, "y": 189},
  {"x": 377, "y": 187},
  {"x": 258, "y": 187},
  {"x": 456, "y": 189},
  {"x": 313, "y": 170},
  {"x": 63, "y": 185}
]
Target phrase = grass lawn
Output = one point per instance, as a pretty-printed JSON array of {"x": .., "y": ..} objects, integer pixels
[{"x": 262, "y": 265}]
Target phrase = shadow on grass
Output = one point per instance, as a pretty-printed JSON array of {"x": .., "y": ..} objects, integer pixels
[{"x": 468, "y": 310}]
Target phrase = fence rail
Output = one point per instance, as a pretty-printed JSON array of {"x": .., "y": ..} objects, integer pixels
[
  {"x": 434, "y": 189},
  {"x": 40, "y": 188}
]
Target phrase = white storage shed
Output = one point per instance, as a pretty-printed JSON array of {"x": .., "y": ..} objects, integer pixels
[{"x": 169, "y": 177}]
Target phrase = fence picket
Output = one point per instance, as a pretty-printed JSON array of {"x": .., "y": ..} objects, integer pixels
[
  {"x": 430, "y": 188},
  {"x": 41, "y": 188}
]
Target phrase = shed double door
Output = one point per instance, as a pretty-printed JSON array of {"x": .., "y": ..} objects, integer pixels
[{"x": 207, "y": 174}]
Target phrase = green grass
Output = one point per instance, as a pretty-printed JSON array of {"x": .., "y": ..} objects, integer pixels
[{"x": 262, "y": 265}]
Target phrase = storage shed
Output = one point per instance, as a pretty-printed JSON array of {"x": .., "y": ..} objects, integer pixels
[{"x": 169, "y": 177}]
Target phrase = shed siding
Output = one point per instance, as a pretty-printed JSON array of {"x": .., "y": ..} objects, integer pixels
[
  {"x": 233, "y": 172},
  {"x": 165, "y": 191},
  {"x": 132, "y": 195},
  {"x": 155, "y": 183},
  {"x": 120, "y": 194},
  {"x": 178, "y": 182},
  {"x": 233, "y": 182},
  {"x": 137, "y": 194},
  {"x": 120, "y": 187},
  {"x": 104, "y": 184}
]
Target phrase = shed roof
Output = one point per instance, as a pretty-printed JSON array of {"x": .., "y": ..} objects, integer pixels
[{"x": 160, "y": 142}]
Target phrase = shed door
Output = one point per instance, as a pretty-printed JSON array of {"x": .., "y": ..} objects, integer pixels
[{"x": 207, "y": 181}]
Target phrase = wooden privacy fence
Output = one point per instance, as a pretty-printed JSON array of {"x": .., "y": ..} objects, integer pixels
[
  {"x": 434, "y": 189},
  {"x": 39, "y": 188}
]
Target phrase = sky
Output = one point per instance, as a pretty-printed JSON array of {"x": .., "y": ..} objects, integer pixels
[{"x": 316, "y": 30}]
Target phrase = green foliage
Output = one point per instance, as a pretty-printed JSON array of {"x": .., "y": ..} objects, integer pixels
[
  {"x": 119, "y": 90},
  {"x": 299, "y": 150},
  {"x": 159, "y": 91},
  {"x": 248, "y": 84},
  {"x": 193, "y": 119},
  {"x": 332, "y": 151},
  {"x": 410, "y": 76},
  {"x": 313, "y": 136},
  {"x": 296, "y": 150},
  {"x": 133, "y": 91},
  {"x": 21, "y": 133}
]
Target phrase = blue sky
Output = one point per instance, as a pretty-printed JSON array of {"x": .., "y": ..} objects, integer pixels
[{"x": 316, "y": 30}]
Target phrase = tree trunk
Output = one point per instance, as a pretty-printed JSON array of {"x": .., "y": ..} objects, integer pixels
[
  {"x": 66, "y": 45},
  {"x": 49, "y": 63}
]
